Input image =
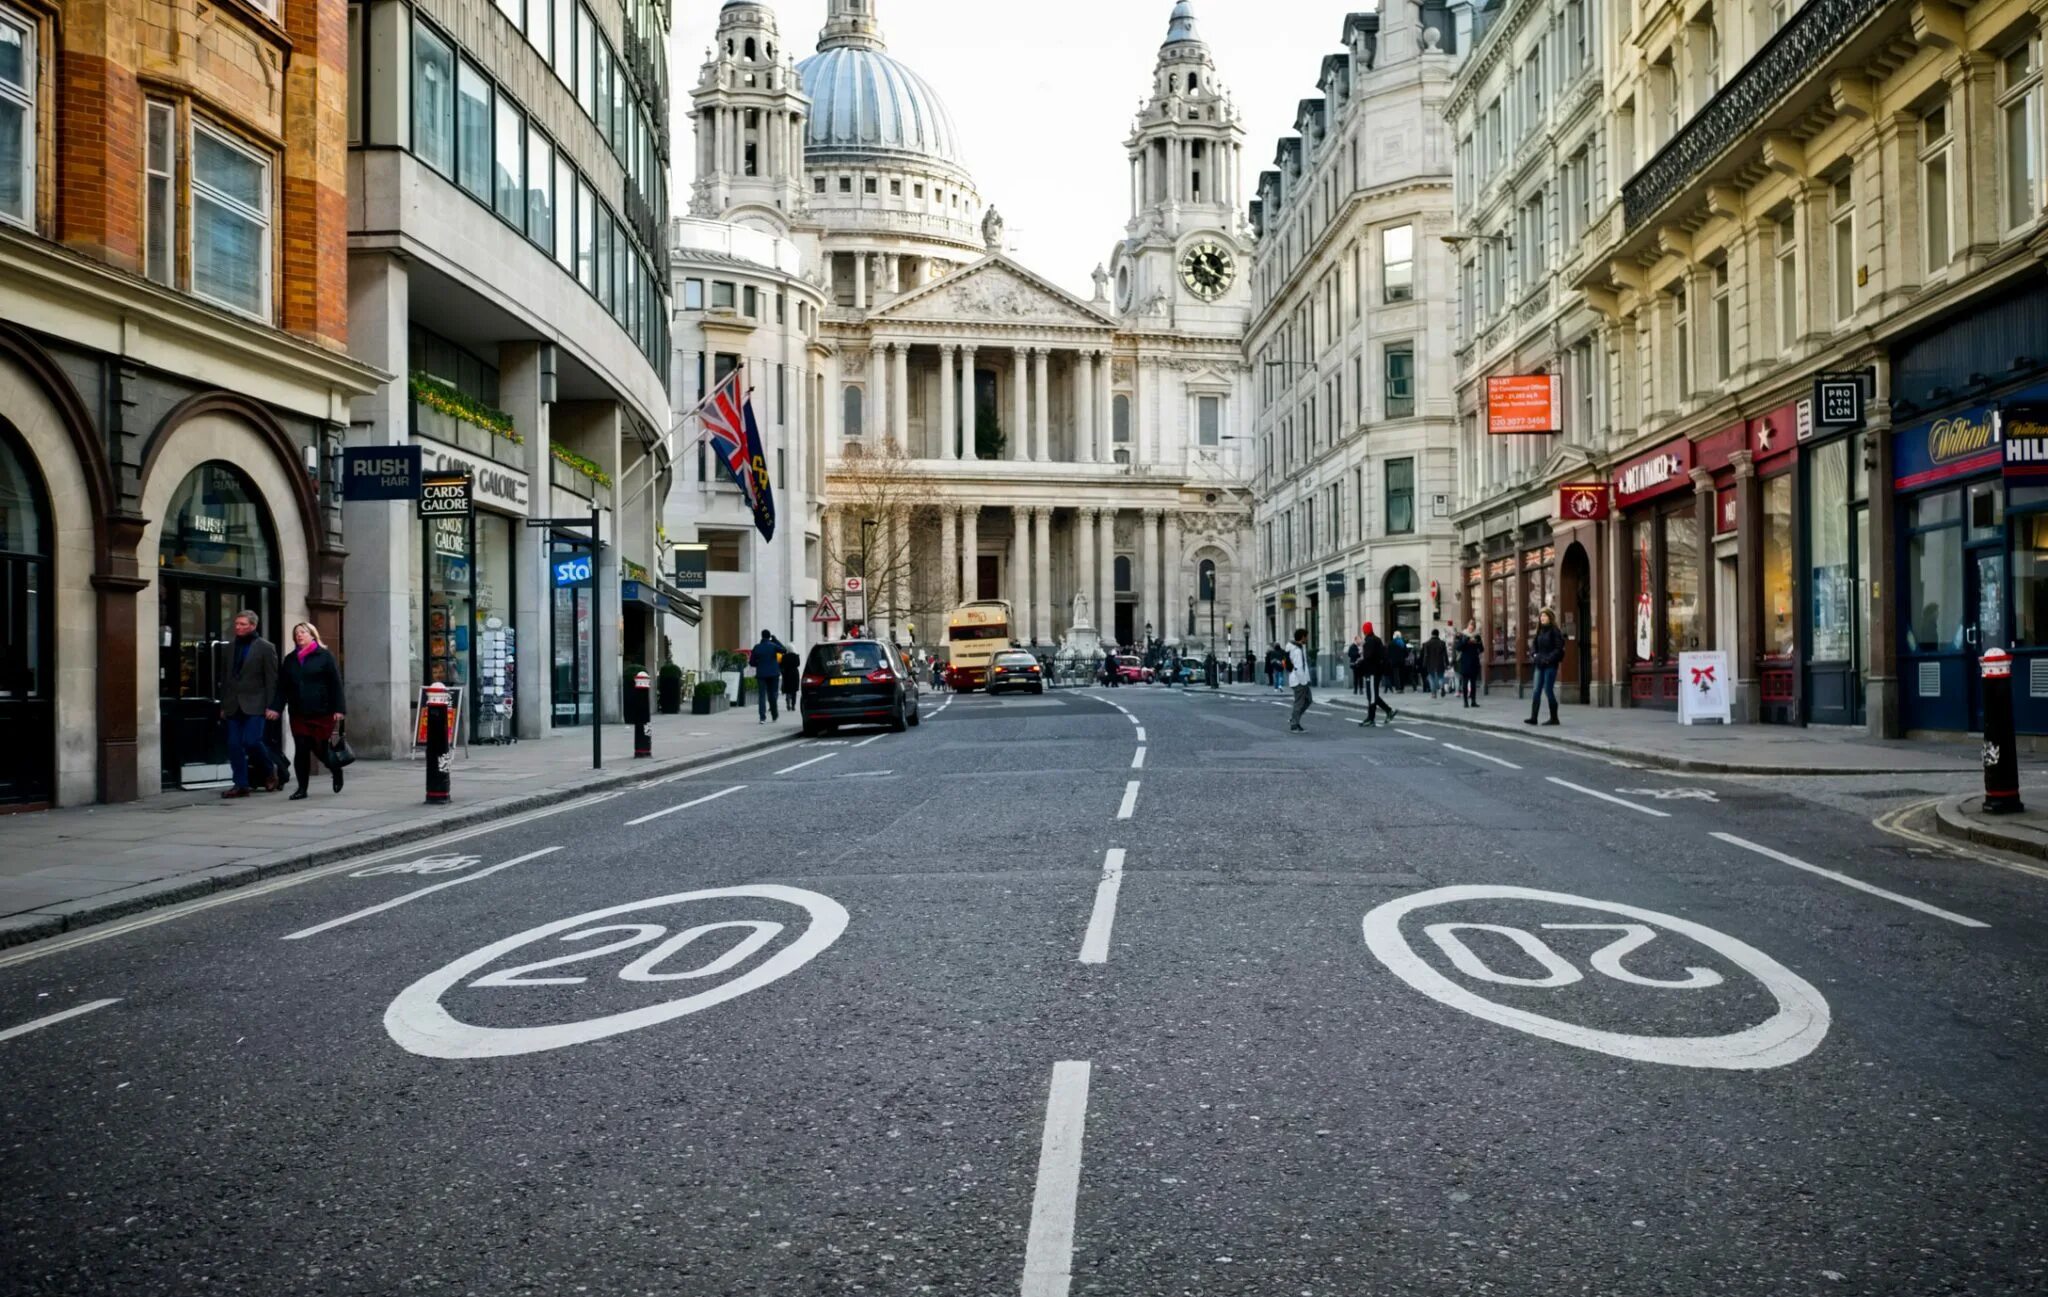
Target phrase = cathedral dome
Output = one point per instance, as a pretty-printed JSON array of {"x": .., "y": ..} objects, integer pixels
[{"x": 867, "y": 105}]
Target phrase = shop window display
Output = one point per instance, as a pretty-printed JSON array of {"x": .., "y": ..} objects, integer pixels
[
  {"x": 1780, "y": 631},
  {"x": 1681, "y": 583}
]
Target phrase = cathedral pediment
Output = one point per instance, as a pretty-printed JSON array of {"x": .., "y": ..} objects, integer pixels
[{"x": 994, "y": 290}]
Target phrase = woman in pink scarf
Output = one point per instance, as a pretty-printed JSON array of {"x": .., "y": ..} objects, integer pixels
[{"x": 309, "y": 683}]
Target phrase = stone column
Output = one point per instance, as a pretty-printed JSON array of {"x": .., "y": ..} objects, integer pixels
[
  {"x": 878, "y": 392},
  {"x": 892, "y": 273},
  {"x": 383, "y": 537},
  {"x": 899, "y": 582},
  {"x": 1747, "y": 650},
  {"x": 970, "y": 552},
  {"x": 1882, "y": 686},
  {"x": 1084, "y": 408},
  {"x": 949, "y": 449},
  {"x": 831, "y": 408},
  {"x": 967, "y": 410},
  {"x": 899, "y": 395},
  {"x": 1041, "y": 413},
  {"x": 1150, "y": 602},
  {"x": 1041, "y": 578},
  {"x": 1020, "y": 407},
  {"x": 1710, "y": 564},
  {"x": 1020, "y": 573},
  {"x": 1105, "y": 571},
  {"x": 949, "y": 557},
  {"x": 860, "y": 281},
  {"x": 1085, "y": 523},
  {"x": 519, "y": 392},
  {"x": 1105, "y": 421},
  {"x": 1176, "y": 603}
]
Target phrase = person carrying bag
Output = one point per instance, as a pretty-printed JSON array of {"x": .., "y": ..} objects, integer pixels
[{"x": 309, "y": 685}]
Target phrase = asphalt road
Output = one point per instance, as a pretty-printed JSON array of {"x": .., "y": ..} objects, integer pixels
[{"x": 1124, "y": 992}]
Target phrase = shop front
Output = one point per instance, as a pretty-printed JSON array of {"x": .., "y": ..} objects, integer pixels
[
  {"x": 1577, "y": 540},
  {"x": 464, "y": 575},
  {"x": 1660, "y": 530}
]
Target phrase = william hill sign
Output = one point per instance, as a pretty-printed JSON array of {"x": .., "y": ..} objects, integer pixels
[
  {"x": 1953, "y": 446},
  {"x": 2024, "y": 429}
]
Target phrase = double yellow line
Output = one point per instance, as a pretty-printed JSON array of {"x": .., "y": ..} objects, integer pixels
[{"x": 1894, "y": 823}]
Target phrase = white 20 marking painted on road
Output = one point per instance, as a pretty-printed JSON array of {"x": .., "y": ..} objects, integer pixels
[
  {"x": 1790, "y": 1034},
  {"x": 419, "y": 1022}
]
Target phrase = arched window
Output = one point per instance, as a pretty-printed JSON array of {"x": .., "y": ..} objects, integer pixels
[
  {"x": 27, "y": 630},
  {"x": 750, "y": 47},
  {"x": 1120, "y": 419},
  {"x": 1123, "y": 574},
  {"x": 853, "y": 409},
  {"x": 1205, "y": 581}
]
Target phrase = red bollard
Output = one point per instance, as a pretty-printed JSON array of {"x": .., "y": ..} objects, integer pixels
[
  {"x": 640, "y": 712},
  {"x": 2001, "y": 764}
]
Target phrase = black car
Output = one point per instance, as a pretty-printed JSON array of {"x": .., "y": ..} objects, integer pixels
[
  {"x": 857, "y": 682},
  {"x": 1015, "y": 670}
]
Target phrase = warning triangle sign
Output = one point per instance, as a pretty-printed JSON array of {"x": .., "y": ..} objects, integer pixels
[{"x": 826, "y": 612}]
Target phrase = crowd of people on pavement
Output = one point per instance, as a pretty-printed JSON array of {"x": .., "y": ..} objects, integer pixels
[{"x": 1397, "y": 666}]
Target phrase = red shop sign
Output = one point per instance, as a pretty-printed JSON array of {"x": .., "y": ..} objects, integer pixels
[
  {"x": 1664, "y": 470},
  {"x": 1582, "y": 502},
  {"x": 1775, "y": 434}
]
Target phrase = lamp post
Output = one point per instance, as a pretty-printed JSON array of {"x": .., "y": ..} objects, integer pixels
[{"x": 867, "y": 592}]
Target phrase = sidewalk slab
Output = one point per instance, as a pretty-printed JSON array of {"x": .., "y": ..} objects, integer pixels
[
  {"x": 1963, "y": 818},
  {"x": 66, "y": 869},
  {"x": 1656, "y": 739}
]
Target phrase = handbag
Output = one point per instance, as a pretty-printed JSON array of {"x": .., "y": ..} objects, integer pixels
[{"x": 339, "y": 753}]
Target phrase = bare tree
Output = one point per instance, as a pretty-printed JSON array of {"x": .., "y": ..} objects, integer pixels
[{"x": 882, "y": 499}]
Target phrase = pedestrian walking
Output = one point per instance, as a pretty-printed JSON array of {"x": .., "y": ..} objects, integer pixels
[
  {"x": 766, "y": 659},
  {"x": 1436, "y": 659},
  {"x": 1547, "y": 652},
  {"x": 1373, "y": 654},
  {"x": 792, "y": 679},
  {"x": 247, "y": 689},
  {"x": 309, "y": 687},
  {"x": 1298, "y": 678},
  {"x": 1469, "y": 650},
  {"x": 1110, "y": 673},
  {"x": 1356, "y": 656}
]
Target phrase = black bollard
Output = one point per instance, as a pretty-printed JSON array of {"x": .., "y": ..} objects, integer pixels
[
  {"x": 438, "y": 759},
  {"x": 639, "y": 713},
  {"x": 2001, "y": 764}
]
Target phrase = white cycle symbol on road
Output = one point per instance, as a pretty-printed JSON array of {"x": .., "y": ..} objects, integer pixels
[
  {"x": 420, "y": 1022},
  {"x": 1790, "y": 1034},
  {"x": 1671, "y": 794},
  {"x": 424, "y": 865}
]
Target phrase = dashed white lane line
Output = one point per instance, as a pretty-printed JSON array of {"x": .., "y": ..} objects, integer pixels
[
  {"x": 709, "y": 797},
  {"x": 1130, "y": 802},
  {"x": 1482, "y": 756},
  {"x": 801, "y": 764},
  {"x": 1141, "y": 734},
  {"x": 1049, "y": 1246},
  {"x": 1413, "y": 735},
  {"x": 1095, "y": 943},
  {"x": 73, "y": 1012},
  {"x": 1847, "y": 881},
  {"x": 416, "y": 894},
  {"x": 864, "y": 742},
  {"x": 1608, "y": 797},
  {"x": 1138, "y": 760}
]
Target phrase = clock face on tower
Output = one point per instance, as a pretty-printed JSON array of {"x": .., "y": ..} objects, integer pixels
[{"x": 1207, "y": 269}]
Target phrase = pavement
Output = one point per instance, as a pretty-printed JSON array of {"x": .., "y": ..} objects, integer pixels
[
  {"x": 65, "y": 869},
  {"x": 1109, "y": 993}
]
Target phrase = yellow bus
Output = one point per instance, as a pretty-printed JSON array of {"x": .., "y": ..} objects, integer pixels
[{"x": 975, "y": 632}]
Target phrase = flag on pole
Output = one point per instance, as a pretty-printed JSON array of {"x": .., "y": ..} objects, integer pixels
[
  {"x": 761, "y": 496},
  {"x": 724, "y": 420}
]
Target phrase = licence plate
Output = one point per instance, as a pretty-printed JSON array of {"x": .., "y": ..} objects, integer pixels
[{"x": 845, "y": 680}]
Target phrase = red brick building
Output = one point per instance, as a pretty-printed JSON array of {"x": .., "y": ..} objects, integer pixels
[{"x": 174, "y": 379}]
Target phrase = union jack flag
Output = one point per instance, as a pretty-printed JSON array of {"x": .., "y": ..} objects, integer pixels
[{"x": 725, "y": 423}]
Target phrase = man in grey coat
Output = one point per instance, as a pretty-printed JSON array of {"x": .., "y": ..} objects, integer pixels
[{"x": 248, "y": 686}]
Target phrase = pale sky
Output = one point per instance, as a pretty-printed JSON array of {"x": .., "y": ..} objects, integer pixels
[{"x": 1044, "y": 91}]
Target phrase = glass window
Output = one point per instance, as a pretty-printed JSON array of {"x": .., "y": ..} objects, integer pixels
[
  {"x": 2030, "y": 579},
  {"x": 1843, "y": 218},
  {"x": 1644, "y": 578},
  {"x": 586, "y": 62},
  {"x": 1681, "y": 582},
  {"x": 852, "y": 409},
  {"x": 565, "y": 40},
  {"x": 160, "y": 197},
  {"x": 1397, "y": 262},
  {"x": 1788, "y": 283},
  {"x": 17, "y": 118},
  {"x": 693, "y": 294},
  {"x": 565, "y": 213},
  {"x": 510, "y": 168},
  {"x": 2020, "y": 114},
  {"x": 1934, "y": 565},
  {"x": 1209, "y": 420},
  {"x": 1400, "y": 497},
  {"x": 1938, "y": 509},
  {"x": 473, "y": 130},
  {"x": 433, "y": 100},
  {"x": 721, "y": 295},
  {"x": 512, "y": 10},
  {"x": 1986, "y": 515},
  {"x": 540, "y": 197},
  {"x": 216, "y": 526},
  {"x": 586, "y": 236},
  {"x": 1780, "y": 637},
  {"x": 540, "y": 28},
  {"x": 230, "y": 222},
  {"x": 1832, "y": 584},
  {"x": 1400, "y": 381},
  {"x": 1934, "y": 215}
]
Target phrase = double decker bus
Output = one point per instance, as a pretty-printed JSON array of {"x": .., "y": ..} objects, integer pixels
[{"x": 975, "y": 632}]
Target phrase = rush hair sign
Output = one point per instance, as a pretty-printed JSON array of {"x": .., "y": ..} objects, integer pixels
[{"x": 1664, "y": 470}]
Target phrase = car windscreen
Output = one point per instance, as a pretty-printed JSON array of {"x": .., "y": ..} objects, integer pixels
[{"x": 845, "y": 659}]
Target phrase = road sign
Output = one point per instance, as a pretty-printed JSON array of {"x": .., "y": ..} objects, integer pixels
[
  {"x": 380, "y": 472},
  {"x": 855, "y": 585},
  {"x": 1838, "y": 400},
  {"x": 444, "y": 495},
  {"x": 826, "y": 613},
  {"x": 1669, "y": 962}
]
